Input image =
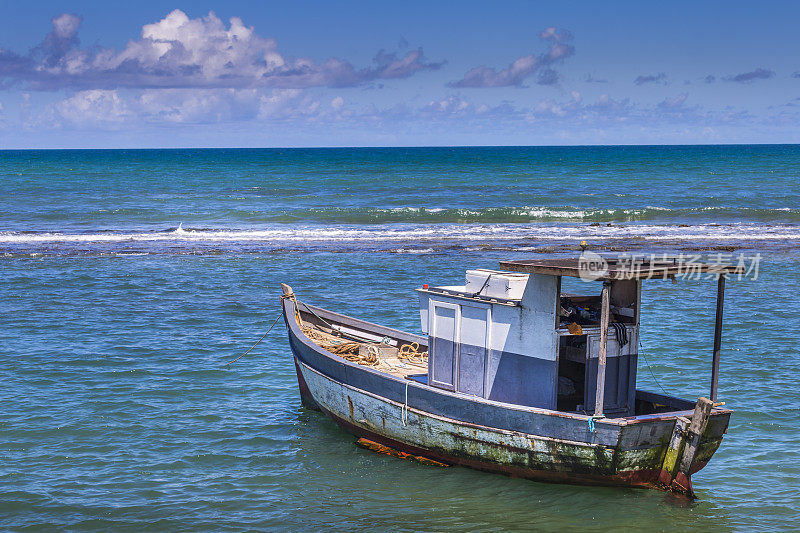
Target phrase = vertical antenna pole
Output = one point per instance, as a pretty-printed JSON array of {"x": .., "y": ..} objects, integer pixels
[{"x": 717, "y": 337}]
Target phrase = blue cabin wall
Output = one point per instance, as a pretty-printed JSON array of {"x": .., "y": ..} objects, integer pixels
[
  {"x": 522, "y": 380},
  {"x": 503, "y": 351},
  {"x": 501, "y": 376}
]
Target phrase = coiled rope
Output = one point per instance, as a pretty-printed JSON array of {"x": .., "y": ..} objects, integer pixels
[{"x": 411, "y": 353}]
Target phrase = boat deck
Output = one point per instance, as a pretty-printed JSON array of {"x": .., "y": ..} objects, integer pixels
[{"x": 391, "y": 356}]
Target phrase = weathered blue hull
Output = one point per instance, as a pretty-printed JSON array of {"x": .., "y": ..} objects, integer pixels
[{"x": 522, "y": 441}]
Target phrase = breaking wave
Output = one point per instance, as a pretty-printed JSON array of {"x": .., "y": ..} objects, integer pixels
[
  {"x": 400, "y": 238},
  {"x": 505, "y": 215}
]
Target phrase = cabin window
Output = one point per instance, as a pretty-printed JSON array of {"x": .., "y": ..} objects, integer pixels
[{"x": 580, "y": 302}]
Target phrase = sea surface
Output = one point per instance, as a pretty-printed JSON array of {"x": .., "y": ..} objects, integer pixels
[{"x": 128, "y": 278}]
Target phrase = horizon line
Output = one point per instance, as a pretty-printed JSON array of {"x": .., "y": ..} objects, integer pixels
[{"x": 368, "y": 147}]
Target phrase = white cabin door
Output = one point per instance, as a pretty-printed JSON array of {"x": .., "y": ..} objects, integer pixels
[
  {"x": 473, "y": 344},
  {"x": 444, "y": 341}
]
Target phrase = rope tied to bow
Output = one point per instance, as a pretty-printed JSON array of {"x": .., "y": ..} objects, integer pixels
[{"x": 257, "y": 342}]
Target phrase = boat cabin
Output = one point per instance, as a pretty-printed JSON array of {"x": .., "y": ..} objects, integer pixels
[{"x": 513, "y": 336}]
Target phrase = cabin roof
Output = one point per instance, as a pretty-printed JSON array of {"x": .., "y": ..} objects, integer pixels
[{"x": 611, "y": 268}]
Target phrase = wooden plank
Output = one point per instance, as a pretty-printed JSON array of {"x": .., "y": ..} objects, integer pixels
[
  {"x": 677, "y": 404},
  {"x": 362, "y": 325},
  {"x": 620, "y": 268},
  {"x": 380, "y": 448},
  {"x": 674, "y": 449},
  {"x": 695, "y": 429}
]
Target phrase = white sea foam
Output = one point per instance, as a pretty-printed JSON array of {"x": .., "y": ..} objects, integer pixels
[
  {"x": 421, "y": 233},
  {"x": 414, "y": 251},
  {"x": 529, "y": 212}
]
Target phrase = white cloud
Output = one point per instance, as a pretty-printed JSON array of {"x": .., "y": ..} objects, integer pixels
[
  {"x": 297, "y": 108},
  {"x": 58, "y": 43},
  {"x": 181, "y": 52},
  {"x": 94, "y": 107},
  {"x": 109, "y": 109},
  {"x": 451, "y": 106},
  {"x": 203, "y": 49},
  {"x": 196, "y": 106},
  {"x": 287, "y": 103}
]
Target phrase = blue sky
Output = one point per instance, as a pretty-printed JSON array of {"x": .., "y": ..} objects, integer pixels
[{"x": 153, "y": 74}]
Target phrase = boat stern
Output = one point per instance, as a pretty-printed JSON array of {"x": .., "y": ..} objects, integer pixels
[{"x": 664, "y": 450}]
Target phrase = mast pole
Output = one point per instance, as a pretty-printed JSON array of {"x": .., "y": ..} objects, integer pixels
[
  {"x": 601, "y": 359},
  {"x": 717, "y": 337}
]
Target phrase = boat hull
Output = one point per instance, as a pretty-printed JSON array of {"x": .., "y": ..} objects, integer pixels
[{"x": 521, "y": 442}]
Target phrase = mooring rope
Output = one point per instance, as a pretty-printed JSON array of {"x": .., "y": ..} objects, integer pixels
[
  {"x": 649, "y": 369},
  {"x": 592, "y": 418},
  {"x": 257, "y": 342}
]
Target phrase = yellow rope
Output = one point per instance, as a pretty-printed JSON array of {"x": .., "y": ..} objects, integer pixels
[
  {"x": 411, "y": 353},
  {"x": 350, "y": 350}
]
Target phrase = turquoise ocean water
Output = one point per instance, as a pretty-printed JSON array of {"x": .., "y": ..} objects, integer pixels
[{"x": 128, "y": 279}]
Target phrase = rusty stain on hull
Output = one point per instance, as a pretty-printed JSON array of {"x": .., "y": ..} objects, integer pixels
[{"x": 638, "y": 478}]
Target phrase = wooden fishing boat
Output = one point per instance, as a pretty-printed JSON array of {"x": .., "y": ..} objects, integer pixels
[{"x": 514, "y": 377}]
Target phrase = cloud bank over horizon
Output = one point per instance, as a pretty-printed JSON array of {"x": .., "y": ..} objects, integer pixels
[{"x": 192, "y": 75}]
